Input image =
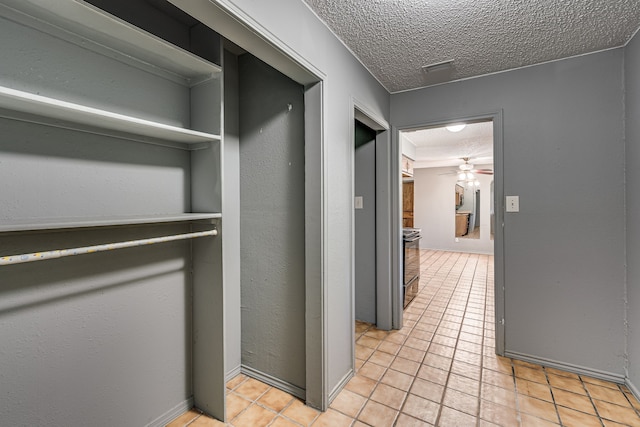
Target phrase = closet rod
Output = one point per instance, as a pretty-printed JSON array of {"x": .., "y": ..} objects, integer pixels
[{"x": 41, "y": 256}]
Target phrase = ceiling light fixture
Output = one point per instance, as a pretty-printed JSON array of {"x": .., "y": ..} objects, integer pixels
[{"x": 456, "y": 127}]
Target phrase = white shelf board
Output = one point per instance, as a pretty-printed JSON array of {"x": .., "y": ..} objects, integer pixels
[
  {"x": 50, "y": 108},
  {"x": 86, "y": 25},
  {"x": 36, "y": 224}
]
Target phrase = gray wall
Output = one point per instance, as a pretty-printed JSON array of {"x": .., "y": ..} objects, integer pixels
[
  {"x": 272, "y": 222},
  {"x": 365, "y": 224},
  {"x": 564, "y": 157},
  {"x": 307, "y": 38},
  {"x": 101, "y": 339},
  {"x": 632, "y": 95}
]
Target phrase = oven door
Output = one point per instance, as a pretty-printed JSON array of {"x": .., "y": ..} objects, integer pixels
[{"x": 411, "y": 258}]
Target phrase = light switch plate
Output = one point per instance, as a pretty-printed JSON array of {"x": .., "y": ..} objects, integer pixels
[
  {"x": 512, "y": 204},
  {"x": 358, "y": 202}
]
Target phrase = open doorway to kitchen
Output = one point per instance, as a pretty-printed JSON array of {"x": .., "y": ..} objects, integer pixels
[{"x": 451, "y": 173}]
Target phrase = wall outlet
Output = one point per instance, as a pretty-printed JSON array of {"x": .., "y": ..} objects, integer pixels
[
  {"x": 512, "y": 204},
  {"x": 358, "y": 202}
]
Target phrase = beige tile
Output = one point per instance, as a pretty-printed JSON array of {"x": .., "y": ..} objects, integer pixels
[
  {"x": 205, "y": 421},
  {"x": 467, "y": 356},
  {"x": 427, "y": 390},
  {"x": 300, "y": 413},
  {"x": 381, "y": 358},
  {"x": 498, "y": 395},
  {"x": 283, "y": 422},
  {"x": 450, "y": 417},
  {"x": 372, "y": 370},
  {"x": 412, "y": 354},
  {"x": 608, "y": 423},
  {"x": 497, "y": 363},
  {"x": 633, "y": 400},
  {"x": 567, "y": 384},
  {"x": 254, "y": 416},
  {"x": 363, "y": 352},
  {"x": 437, "y": 361},
  {"x": 561, "y": 373},
  {"x": 464, "y": 384},
  {"x": 359, "y": 424},
  {"x": 235, "y": 405},
  {"x": 377, "y": 414},
  {"x": 361, "y": 385},
  {"x": 607, "y": 394},
  {"x": 390, "y": 396},
  {"x": 396, "y": 337},
  {"x": 389, "y": 347},
  {"x": 531, "y": 421},
  {"x": 574, "y": 401},
  {"x": 531, "y": 389},
  {"x": 185, "y": 418},
  {"x": 361, "y": 327},
  {"x": 461, "y": 401},
  {"x": 397, "y": 379},
  {"x": 348, "y": 403},
  {"x": 406, "y": 366},
  {"x": 432, "y": 374},
  {"x": 405, "y": 420},
  {"x": 497, "y": 378},
  {"x": 538, "y": 408},
  {"x": 236, "y": 381},
  {"x": 251, "y": 389},
  {"x": 422, "y": 409},
  {"x": 378, "y": 334},
  {"x": 601, "y": 383},
  {"x": 526, "y": 373},
  {"x": 571, "y": 418},
  {"x": 417, "y": 343},
  {"x": 332, "y": 418},
  {"x": 618, "y": 414},
  {"x": 442, "y": 350},
  {"x": 498, "y": 414},
  {"x": 275, "y": 399},
  {"x": 466, "y": 369},
  {"x": 526, "y": 364},
  {"x": 367, "y": 341}
]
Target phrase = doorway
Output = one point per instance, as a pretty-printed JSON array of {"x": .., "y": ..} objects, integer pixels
[{"x": 458, "y": 190}]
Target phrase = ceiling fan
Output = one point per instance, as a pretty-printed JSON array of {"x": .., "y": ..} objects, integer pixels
[{"x": 466, "y": 171}]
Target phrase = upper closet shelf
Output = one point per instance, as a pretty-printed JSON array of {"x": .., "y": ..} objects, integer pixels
[
  {"x": 37, "y": 224},
  {"x": 88, "y": 26},
  {"x": 41, "y": 109}
]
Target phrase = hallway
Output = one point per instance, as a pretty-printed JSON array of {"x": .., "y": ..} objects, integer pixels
[{"x": 440, "y": 369}]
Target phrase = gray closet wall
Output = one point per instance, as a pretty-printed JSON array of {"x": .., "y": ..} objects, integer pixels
[
  {"x": 632, "y": 153},
  {"x": 105, "y": 338},
  {"x": 272, "y": 224}
]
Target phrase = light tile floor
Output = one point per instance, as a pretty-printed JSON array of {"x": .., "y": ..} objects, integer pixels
[{"x": 440, "y": 369}]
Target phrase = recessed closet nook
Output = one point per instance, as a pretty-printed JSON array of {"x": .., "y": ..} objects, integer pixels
[{"x": 143, "y": 263}]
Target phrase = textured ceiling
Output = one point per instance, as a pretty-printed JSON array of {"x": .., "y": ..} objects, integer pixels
[
  {"x": 438, "y": 147},
  {"x": 394, "y": 39}
]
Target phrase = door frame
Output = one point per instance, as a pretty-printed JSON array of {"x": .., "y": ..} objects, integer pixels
[
  {"x": 384, "y": 207},
  {"x": 498, "y": 200}
]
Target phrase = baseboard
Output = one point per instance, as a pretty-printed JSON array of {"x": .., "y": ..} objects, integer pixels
[
  {"x": 274, "y": 382},
  {"x": 233, "y": 373},
  {"x": 576, "y": 369},
  {"x": 172, "y": 413},
  {"x": 338, "y": 388},
  {"x": 634, "y": 390}
]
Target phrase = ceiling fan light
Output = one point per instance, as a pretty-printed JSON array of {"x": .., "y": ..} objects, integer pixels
[
  {"x": 465, "y": 167},
  {"x": 462, "y": 176},
  {"x": 470, "y": 176},
  {"x": 456, "y": 127},
  {"x": 476, "y": 183}
]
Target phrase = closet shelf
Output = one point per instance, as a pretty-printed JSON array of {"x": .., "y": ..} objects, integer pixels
[
  {"x": 88, "y": 26},
  {"x": 38, "y": 224},
  {"x": 54, "y": 112}
]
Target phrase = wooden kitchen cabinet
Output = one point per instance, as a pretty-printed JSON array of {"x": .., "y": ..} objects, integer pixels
[{"x": 407, "y": 204}]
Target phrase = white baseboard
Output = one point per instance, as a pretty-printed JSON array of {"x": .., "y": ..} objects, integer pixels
[
  {"x": 634, "y": 390},
  {"x": 233, "y": 373}
]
